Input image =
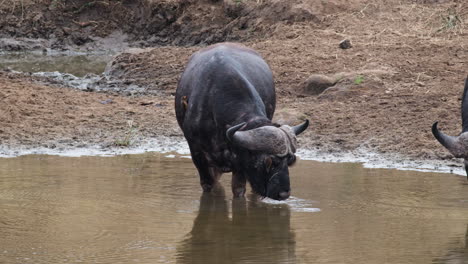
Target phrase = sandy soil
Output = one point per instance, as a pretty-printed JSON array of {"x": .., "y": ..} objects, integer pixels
[{"x": 404, "y": 71}]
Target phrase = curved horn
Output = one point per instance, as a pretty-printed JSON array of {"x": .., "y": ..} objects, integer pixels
[
  {"x": 448, "y": 142},
  {"x": 300, "y": 128},
  {"x": 270, "y": 139},
  {"x": 230, "y": 132}
]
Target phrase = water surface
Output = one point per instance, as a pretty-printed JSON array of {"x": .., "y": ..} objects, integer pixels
[
  {"x": 76, "y": 64},
  {"x": 150, "y": 209}
]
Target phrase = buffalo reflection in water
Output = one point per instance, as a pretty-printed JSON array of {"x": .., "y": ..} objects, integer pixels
[
  {"x": 256, "y": 232},
  {"x": 457, "y": 253}
]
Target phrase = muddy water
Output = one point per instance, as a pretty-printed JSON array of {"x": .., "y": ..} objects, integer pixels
[
  {"x": 77, "y": 64},
  {"x": 149, "y": 209}
]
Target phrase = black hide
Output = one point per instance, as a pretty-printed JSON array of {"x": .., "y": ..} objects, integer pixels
[{"x": 222, "y": 86}]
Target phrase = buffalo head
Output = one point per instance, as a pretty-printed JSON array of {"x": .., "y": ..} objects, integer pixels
[{"x": 263, "y": 156}]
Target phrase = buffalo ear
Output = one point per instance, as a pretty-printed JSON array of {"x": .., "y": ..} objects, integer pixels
[{"x": 268, "y": 163}]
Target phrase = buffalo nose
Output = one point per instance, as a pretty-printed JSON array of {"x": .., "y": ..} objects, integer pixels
[{"x": 284, "y": 195}]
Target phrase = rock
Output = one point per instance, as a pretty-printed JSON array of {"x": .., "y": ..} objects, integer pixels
[
  {"x": 317, "y": 83},
  {"x": 346, "y": 44},
  {"x": 80, "y": 39},
  {"x": 22, "y": 44},
  {"x": 107, "y": 101},
  {"x": 346, "y": 89},
  {"x": 339, "y": 92},
  {"x": 233, "y": 8}
]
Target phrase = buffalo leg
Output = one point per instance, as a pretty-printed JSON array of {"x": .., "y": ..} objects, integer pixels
[
  {"x": 238, "y": 184},
  {"x": 209, "y": 175}
]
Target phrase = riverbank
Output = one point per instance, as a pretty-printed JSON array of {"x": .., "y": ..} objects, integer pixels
[
  {"x": 39, "y": 117},
  {"x": 404, "y": 70}
]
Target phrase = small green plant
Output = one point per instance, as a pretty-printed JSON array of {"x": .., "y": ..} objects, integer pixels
[
  {"x": 450, "y": 21},
  {"x": 358, "y": 80},
  {"x": 130, "y": 134}
]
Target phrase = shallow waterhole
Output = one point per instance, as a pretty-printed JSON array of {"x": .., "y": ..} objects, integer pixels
[
  {"x": 77, "y": 64},
  {"x": 149, "y": 208}
]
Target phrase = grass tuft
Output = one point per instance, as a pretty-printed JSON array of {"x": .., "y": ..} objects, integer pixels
[
  {"x": 451, "y": 21},
  {"x": 128, "y": 137},
  {"x": 359, "y": 79}
]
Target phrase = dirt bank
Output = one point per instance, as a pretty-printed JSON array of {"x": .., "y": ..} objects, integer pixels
[
  {"x": 80, "y": 23},
  {"x": 35, "y": 114},
  {"x": 404, "y": 71}
]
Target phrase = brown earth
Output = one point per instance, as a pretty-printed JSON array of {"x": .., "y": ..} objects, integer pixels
[
  {"x": 42, "y": 115},
  {"x": 405, "y": 70},
  {"x": 153, "y": 22}
]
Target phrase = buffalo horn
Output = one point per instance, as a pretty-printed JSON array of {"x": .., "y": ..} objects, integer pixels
[
  {"x": 269, "y": 139},
  {"x": 300, "y": 128},
  {"x": 230, "y": 132},
  {"x": 448, "y": 142}
]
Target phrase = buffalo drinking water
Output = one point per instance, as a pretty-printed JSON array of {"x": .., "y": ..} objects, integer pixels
[{"x": 224, "y": 103}]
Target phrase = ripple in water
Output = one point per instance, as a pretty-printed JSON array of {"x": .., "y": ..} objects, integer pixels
[{"x": 296, "y": 204}]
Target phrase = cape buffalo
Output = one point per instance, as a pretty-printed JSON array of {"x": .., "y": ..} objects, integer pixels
[
  {"x": 458, "y": 145},
  {"x": 224, "y": 104}
]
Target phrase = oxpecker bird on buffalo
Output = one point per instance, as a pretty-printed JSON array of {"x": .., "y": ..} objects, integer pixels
[
  {"x": 457, "y": 145},
  {"x": 224, "y": 103}
]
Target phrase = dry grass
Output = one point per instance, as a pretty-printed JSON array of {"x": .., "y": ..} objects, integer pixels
[{"x": 422, "y": 21}]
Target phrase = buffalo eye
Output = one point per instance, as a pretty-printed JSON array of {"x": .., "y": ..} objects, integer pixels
[
  {"x": 268, "y": 164},
  {"x": 291, "y": 159}
]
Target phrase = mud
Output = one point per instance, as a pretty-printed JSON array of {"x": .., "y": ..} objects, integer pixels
[
  {"x": 404, "y": 71},
  {"x": 78, "y": 23}
]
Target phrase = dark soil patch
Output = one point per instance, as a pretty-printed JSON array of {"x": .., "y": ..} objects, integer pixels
[{"x": 149, "y": 22}]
